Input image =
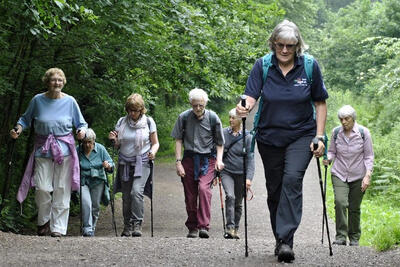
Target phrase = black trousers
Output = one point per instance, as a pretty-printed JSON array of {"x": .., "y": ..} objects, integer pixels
[{"x": 284, "y": 169}]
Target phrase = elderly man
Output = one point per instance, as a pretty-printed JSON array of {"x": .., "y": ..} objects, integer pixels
[{"x": 200, "y": 132}]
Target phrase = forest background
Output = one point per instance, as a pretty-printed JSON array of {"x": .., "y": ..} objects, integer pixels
[{"x": 163, "y": 48}]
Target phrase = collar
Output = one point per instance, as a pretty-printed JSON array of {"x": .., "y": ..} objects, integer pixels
[{"x": 297, "y": 60}]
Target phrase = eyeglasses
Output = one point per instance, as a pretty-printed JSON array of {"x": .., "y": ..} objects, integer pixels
[
  {"x": 198, "y": 106},
  {"x": 134, "y": 110},
  {"x": 281, "y": 46}
]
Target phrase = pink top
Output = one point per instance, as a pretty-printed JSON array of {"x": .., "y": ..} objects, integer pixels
[
  {"x": 49, "y": 142},
  {"x": 352, "y": 156}
]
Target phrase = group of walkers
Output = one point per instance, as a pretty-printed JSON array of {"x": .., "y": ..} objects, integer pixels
[{"x": 292, "y": 112}]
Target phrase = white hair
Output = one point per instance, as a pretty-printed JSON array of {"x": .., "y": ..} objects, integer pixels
[
  {"x": 347, "y": 111},
  {"x": 198, "y": 94},
  {"x": 232, "y": 113},
  {"x": 288, "y": 31},
  {"x": 90, "y": 135}
]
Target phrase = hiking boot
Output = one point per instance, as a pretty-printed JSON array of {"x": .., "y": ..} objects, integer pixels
[
  {"x": 127, "y": 230},
  {"x": 192, "y": 234},
  {"x": 203, "y": 233},
  {"x": 339, "y": 242},
  {"x": 353, "y": 243},
  {"x": 56, "y": 234},
  {"x": 229, "y": 234},
  {"x": 285, "y": 253},
  {"x": 43, "y": 229},
  {"x": 137, "y": 230}
]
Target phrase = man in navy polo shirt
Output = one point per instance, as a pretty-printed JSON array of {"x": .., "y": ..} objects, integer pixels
[{"x": 286, "y": 128}]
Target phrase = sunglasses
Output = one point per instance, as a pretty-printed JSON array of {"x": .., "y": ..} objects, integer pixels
[{"x": 281, "y": 46}]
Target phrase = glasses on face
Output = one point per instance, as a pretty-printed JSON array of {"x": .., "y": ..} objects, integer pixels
[
  {"x": 57, "y": 80},
  {"x": 200, "y": 106},
  {"x": 134, "y": 110},
  {"x": 289, "y": 47}
]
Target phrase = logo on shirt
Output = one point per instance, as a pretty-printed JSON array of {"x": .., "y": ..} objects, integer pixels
[{"x": 300, "y": 82}]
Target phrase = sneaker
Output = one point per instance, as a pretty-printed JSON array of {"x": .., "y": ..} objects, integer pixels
[
  {"x": 285, "y": 253},
  {"x": 88, "y": 234},
  {"x": 203, "y": 233},
  {"x": 353, "y": 243},
  {"x": 229, "y": 234},
  {"x": 56, "y": 234},
  {"x": 127, "y": 230},
  {"x": 43, "y": 229},
  {"x": 137, "y": 230},
  {"x": 339, "y": 242},
  {"x": 192, "y": 234},
  {"x": 235, "y": 234}
]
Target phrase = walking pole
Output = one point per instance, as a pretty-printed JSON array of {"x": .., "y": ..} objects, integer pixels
[
  {"x": 80, "y": 190},
  {"x": 114, "y": 225},
  {"x": 151, "y": 199},
  {"x": 326, "y": 173},
  {"x": 243, "y": 102},
  {"x": 218, "y": 176},
  {"x": 9, "y": 170},
  {"x": 315, "y": 144}
]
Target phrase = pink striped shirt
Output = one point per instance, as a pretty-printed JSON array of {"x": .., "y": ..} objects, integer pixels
[{"x": 352, "y": 156}]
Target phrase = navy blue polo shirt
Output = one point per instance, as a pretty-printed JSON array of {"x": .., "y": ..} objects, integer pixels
[{"x": 287, "y": 112}]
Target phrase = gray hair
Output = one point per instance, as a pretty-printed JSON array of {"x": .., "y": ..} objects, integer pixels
[
  {"x": 90, "y": 135},
  {"x": 287, "y": 31},
  {"x": 347, "y": 111},
  {"x": 232, "y": 113},
  {"x": 198, "y": 94}
]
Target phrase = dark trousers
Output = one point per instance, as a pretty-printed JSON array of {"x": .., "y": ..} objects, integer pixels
[{"x": 284, "y": 169}]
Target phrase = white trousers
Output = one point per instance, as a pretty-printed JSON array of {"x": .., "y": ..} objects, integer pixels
[{"x": 51, "y": 177}]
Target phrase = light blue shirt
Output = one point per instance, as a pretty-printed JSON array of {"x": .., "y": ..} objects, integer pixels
[{"x": 53, "y": 116}]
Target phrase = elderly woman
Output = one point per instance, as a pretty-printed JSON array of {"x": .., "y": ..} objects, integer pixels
[
  {"x": 289, "y": 84},
  {"x": 53, "y": 167},
  {"x": 136, "y": 137},
  {"x": 199, "y": 131},
  {"x": 232, "y": 174},
  {"x": 94, "y": 160},
  {"x": 353, "y": 157}
]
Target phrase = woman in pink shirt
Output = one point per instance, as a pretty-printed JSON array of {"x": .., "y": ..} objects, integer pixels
[{"x": 352, "y": 155}]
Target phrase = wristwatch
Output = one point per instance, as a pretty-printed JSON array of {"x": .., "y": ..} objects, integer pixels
[{"x": 320, "y": 138}]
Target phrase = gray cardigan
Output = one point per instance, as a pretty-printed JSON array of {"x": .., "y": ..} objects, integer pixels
[{"x": 233, "y": 160}]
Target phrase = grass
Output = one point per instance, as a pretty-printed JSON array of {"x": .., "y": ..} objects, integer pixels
[{"x": 380, "y": 219}]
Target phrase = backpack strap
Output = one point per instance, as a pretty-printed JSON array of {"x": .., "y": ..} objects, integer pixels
[
  {"x": 237, "y": 139},
  {"x": 336, "y": 131},
  {"x": 308, "y": 67},
  {"x": 266, "y": 63}
]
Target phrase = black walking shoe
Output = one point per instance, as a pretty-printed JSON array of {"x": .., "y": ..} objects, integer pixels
[
  {"x": 339, "y": 242},
  {"x": 353, "y": 243},
  {"x": 203, "y": 233},
  {"x": 285, "y": 253},
  {"x": 192, "y": 233}
]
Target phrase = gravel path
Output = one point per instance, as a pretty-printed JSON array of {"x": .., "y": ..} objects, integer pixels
[{"x": 170, "y": 247}]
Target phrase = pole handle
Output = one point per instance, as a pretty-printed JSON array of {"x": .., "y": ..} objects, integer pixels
[
  {"x": 243, "y": 100},
  {"x": 315, "y": 143}
]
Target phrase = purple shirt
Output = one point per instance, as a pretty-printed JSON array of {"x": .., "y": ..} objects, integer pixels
[{"x": 352, "y": 156}]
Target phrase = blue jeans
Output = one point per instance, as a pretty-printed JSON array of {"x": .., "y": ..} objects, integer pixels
[{"x": 91, "y": 206}]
